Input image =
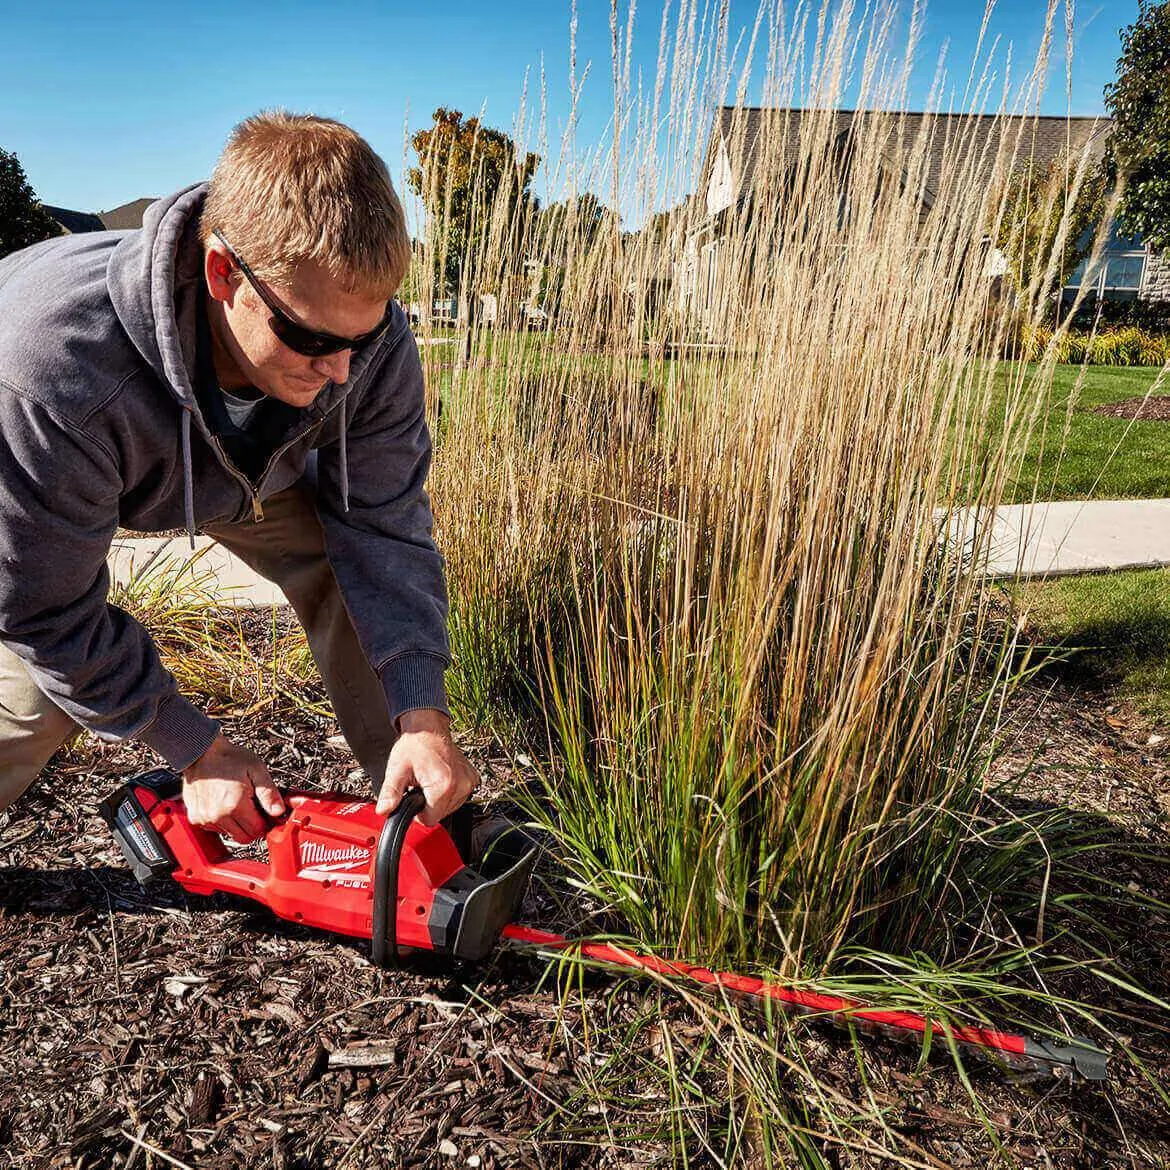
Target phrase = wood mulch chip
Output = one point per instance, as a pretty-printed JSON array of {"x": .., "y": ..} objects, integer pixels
[
  {"x": 149, "y": 1030},
  {"x": 1155, "y": 408}
]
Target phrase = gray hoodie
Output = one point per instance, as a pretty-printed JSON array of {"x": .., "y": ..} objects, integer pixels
[{"x": 100, "y": 428}]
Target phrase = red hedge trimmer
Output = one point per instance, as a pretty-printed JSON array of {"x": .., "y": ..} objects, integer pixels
[{"x": 335, "y": 864}]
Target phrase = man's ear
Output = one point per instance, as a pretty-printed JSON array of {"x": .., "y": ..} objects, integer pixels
[{"x": 219, "y": 272}]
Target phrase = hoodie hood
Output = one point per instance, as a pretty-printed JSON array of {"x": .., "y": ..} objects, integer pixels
[{"x": 153, "y": 284}]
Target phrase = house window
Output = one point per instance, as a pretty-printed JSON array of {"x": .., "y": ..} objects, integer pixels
[
  {"x": 1123, "y": 273},
  {"x": 1117, "y": 275}
]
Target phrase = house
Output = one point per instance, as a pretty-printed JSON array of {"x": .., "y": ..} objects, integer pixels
[
  {"x": 74, "y": 222},
  {"x": 751, "y": 148},
  {"x": 129, "y": 215}
]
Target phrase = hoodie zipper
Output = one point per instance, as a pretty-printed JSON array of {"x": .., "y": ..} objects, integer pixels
[{"x": 254, "y": 488}]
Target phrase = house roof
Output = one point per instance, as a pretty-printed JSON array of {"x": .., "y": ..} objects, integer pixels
[
  {"x": 129, "y": 215},
  {"x": 75, "y": 221},
  {"x": 1040, "y": 138}
]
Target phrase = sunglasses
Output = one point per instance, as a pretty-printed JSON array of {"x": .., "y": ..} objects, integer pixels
[{"x": 299, "y": 338}]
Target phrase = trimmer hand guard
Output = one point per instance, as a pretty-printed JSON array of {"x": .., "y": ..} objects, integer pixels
[{"x": 333, "y": 863}]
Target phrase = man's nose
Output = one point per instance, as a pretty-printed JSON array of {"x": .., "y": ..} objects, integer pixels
[{"x": 334, "y": 366}]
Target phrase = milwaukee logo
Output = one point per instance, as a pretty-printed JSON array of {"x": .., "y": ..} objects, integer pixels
[{"x": 314, "y": 854}]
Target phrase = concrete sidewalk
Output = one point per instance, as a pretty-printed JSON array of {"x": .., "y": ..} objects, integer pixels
[
  {"x": 211, "y": 568},
  {"x": 1076, "y": 536},
  {"x": 1044, "y": 540}
]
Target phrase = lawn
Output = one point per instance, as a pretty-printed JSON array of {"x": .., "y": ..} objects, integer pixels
[
  {"x": 1114, "y": 630},
  {"x": 1103, "y": 458},
  {"x": 1097, "y": 457}
]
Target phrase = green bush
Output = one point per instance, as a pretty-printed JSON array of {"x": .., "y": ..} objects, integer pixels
[
  {"x": 1128, "y": 346},
  {"x": 1150, "y": 315}
]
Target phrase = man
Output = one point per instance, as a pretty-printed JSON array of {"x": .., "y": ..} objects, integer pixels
[{"x": 189, "y": 375}]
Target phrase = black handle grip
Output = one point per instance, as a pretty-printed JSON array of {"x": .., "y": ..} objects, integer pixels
[{"x": 384, "y": 935}]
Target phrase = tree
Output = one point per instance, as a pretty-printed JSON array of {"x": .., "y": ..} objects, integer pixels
[
  {"x": 1139, "y": 101},
  {"x": 1037, "y": 211},
  {"x": 23, "y": 220},
  {"x": 580, "y": 220},
  {"x": 566, "y": 236},
  {"x": 662, "y": 229},
  {"x": 464, "y": 171}
]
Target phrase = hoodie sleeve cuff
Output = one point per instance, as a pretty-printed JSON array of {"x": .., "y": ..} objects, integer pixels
[
  {"x": 180, "y": 732},
  {"x": 413, "y": 681}
]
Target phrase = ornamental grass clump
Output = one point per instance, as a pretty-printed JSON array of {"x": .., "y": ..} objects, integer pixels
[
  {"x": 700, "y": 533},
  {"x": 714, "y": 543}
]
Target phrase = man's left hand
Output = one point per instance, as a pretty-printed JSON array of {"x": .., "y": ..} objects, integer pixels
[{"x": 426, "y": 757}]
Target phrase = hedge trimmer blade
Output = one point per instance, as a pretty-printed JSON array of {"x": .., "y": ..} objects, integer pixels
[{"x": 1072, "y": 1058}]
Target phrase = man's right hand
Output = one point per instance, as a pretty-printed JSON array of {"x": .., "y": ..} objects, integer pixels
[{"x": 221, "y": 788}]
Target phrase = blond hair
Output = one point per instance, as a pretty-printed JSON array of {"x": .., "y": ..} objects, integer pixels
[{"x": 291, "y": 188}]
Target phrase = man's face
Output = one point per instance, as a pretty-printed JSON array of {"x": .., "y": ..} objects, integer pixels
[{"x": 257, "y": 357}]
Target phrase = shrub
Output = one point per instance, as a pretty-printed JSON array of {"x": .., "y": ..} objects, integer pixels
[
  {"x": 1128, "y": 346},
  {"x": 1152, "y": 316}
]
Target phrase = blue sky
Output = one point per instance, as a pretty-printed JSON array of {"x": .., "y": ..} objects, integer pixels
[{"x": 107, "y": 103}]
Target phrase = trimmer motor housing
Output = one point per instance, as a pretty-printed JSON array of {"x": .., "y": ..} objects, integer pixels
[{"x": 335, "y": 864}]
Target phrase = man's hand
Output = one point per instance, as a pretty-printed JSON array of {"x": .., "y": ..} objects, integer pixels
[
  {"x": 425, "y": 757},
  {"x": 221, "y": 788}
]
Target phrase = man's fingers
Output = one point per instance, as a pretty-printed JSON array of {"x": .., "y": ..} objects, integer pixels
[
  {"x": 199, "y": 816},
  {"x": 437, "y": 792},
  {"x": 388, "y": 799},
  {"x": 229, "y": 810},
  {"x": 439, "y": 769},
  {"x": 229, "y": 789},
  {"x": 449, "y": 790},
  {"x": 444, "y": 798},
  {"x": 269, "y": 797},
  {"x": 247, "y": 815},
  {"x": 435, "y": 807},
  {"x": 230, "y": 827},
  {"x": 397, "y": 781}
]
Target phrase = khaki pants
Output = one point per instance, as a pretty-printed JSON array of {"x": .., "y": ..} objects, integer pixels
[{"x": 288, "y": 548}]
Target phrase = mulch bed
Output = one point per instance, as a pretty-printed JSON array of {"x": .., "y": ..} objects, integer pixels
[
  {"x": 1155, "y": 408},
  {"x": 153, "y": 1030}
]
